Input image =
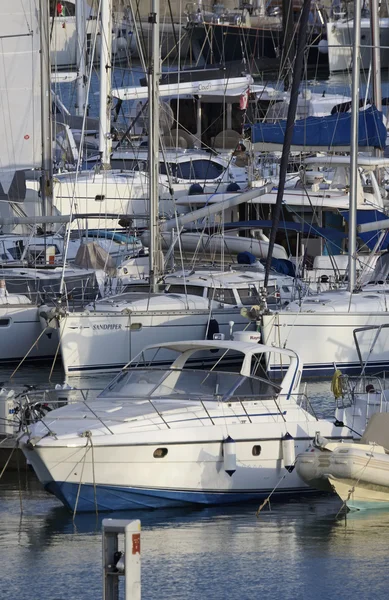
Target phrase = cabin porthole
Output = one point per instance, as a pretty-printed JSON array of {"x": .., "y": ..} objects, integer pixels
[
  {"x": 160, "y": 453},
  {"x": 257, "y": 450}
]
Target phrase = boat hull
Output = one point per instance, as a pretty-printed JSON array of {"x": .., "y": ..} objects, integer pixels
[
  {"x": 130, "y": 477},
  {"x": 325, "y": 341},
  {"x": 360, "y": 496},
  {"x": 340, "y": 44},
  {"x": 20, "y": 329},
  {"x": 105, "y": 342}
]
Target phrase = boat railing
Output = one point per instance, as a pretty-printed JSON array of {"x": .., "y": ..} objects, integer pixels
[
  {"x": 244, "y": 408},
  {"x": 303, "y": 402},
  {"x": 373, "y": 388}
]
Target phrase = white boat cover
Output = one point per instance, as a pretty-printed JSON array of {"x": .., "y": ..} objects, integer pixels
[{"x": 377, "y": 430}]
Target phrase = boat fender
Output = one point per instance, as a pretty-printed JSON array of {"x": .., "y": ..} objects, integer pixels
[
  {"x": 229, "y": 455},
  {"x": 288, "y": 452}
]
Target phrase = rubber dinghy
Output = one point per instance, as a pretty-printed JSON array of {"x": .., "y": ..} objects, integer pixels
[{"x": 358, "y": 472}]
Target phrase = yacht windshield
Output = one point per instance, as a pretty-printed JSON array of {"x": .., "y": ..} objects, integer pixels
[{"x": 187, "y": 383}]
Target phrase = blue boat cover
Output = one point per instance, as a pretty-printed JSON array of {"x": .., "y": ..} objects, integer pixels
[
  {"x": 370, "y": 238},
  {"x": 328, "y": 132}
]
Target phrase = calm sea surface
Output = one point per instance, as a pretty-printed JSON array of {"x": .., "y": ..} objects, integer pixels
[{"x": 298, "y": 550}]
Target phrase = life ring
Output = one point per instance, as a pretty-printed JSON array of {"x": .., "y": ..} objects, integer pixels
[{"x": 336, "y": 384}]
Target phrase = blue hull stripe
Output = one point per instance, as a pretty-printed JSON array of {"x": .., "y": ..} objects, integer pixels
[
  {"x": 324, "y": 369},
  {"x": 112, "y": 498}
]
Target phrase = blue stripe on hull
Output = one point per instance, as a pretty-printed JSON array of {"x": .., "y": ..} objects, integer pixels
[
  {"x": 110, "y": 498},
  {"x": 323, "y": 370}
]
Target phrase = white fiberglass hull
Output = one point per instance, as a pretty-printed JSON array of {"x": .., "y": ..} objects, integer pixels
[
  {"x": 340, "y": 42},
  {"x": 63, "y": 42},
  {"x": 20, "y": 328},
  {"x": 107, "y": 341},
  {"x": 126, "y": 475},
  {"x": 325, "y": 341}
]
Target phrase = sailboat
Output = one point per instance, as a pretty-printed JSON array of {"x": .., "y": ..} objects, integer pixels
[
  {"x": 26, "y": 127},
  {"x": 323, "y": 326}
]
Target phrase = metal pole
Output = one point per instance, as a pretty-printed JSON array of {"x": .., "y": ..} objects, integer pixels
[
  {"x": 105, "y": 143},
  {"x": 375, "y": 54},
  {"x": 352, "y": 237},
  {"x": 81, "y": 58},
  {"x": 376, "y": 65},
  {"x": 153, "y": 89},
  {"x": 46, "y": 180}
]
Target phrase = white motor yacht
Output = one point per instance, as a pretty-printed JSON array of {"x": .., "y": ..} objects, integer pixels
[{"x": 174, "y": 436}]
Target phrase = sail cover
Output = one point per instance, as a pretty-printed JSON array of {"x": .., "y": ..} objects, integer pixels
[
  {"x": 370, "y": 238},
  {"x": 328, "y": 132},
  {"x": 20, "y": 104}
]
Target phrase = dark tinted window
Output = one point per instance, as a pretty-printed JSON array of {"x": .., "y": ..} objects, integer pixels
[
  {"x": 129, "y": 164},
  {"x": 248, "y": 296},
  {"x": 207, "y": 169},
  {"x": 185, "y": 170},
  {"x": 195, "y": 290},
  {"x": 222, "y": 295}
]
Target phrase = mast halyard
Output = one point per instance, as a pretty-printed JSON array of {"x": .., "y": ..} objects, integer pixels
[
  {"x": 352, "y": 237},
  {"x": 81, "y": 58},
  {"x": 46, "y": 180},
  {"x": 105, "y": 142},
  {"x": 154, "y": 72}
]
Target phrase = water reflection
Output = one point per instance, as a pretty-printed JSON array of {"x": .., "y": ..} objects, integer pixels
[{"x": 296, "y": 549}]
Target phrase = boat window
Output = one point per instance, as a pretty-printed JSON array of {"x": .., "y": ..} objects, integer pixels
[
  {"x": 222, "y": 295},
  {"x": 257, "y": 450},
  {"x": 272, "y": 294},
  {"x": 136, "y": 326},
  {"x": 187, "y": 384},
  {"x": 207, "y": 169},
  {"x": 194, "y": 290},
  {"x": 15, "y": 252},
  {"x": 248, "y": 296},
  {"x": 160, "y": 453},
  {"x": 128, "y": 164},
  {"x": 5, "y": 322},
  {"x": 184, "y": 170}
]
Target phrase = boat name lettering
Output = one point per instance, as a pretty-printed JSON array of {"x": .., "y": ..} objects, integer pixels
[
  {"x": 204, "y": 86},
  {"x": 107, "y": 326}
]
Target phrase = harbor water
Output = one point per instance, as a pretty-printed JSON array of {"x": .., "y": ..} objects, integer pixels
[
  {"x": 299, "y": 549},
  {"x": 296, "y": 549}
]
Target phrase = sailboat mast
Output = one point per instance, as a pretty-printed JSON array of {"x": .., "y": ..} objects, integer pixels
[
  {"x": 375, "y": 54},
  {"x": 290, "y": 120},
  {"x": 153, "y": 154},
  {"x": 46, "y": 179},
  {"x": 352, "y": 236},
  {"x": 376, "y": 65},
  {"x": 105, "y": 144},
  {"x": 81, "y": 58}
]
